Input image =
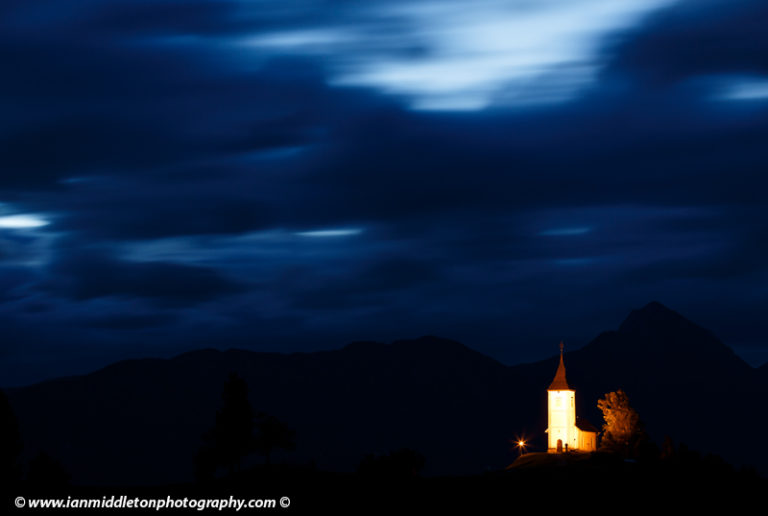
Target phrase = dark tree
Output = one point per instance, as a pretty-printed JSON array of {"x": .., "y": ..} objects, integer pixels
[
  {"x": 623, "y": 431},
  {"x": 237, "y": 433},
  {"x": 272, "y": 435},
  {"x": 232, "y": 436},
  {"x": 10, "y": 444}
]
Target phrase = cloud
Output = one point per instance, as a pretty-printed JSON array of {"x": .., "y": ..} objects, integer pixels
[
  {"x": 191, "y": 156},
  {"x": 377, "y": 280},
  {"x": 148, "y": 138},
  {"x": 129, "y": 322},
  {"x": 441, "y": 55},
  {"x": 88, "y": 275},
  {"x": 694, "y": 39}
]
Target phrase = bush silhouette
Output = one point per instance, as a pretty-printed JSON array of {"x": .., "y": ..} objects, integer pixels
[{"x": 273, "y": 434}]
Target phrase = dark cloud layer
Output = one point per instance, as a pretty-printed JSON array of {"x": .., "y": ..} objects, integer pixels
[
  {"x": 88, "y": 275},
  {"x": 712, "y": 37},
  {"x": 203, "y": 187}
]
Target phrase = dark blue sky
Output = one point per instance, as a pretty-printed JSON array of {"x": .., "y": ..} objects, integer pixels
[{"x": 297, "y": 174}]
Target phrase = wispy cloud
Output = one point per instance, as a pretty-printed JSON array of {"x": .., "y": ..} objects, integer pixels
[{"x": 443, "y": 55}]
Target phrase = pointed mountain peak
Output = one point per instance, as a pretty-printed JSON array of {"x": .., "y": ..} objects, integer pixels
[{"x": 656, "y": 327}]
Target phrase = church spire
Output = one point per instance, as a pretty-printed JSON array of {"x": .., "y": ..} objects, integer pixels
[{"x": 560, "y": 383}]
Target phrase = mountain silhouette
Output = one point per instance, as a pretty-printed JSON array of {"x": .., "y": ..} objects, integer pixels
[{"x": 141, "y": 421}]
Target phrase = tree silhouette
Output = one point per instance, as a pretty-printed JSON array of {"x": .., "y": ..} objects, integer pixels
[
  {"x": 623, "y": 431},
  {"x": 273, "y": 434},
  {"x": 10, "y": 444},
  {"x": 238, "y": 433},
  {"x": 232, "y": 437}
]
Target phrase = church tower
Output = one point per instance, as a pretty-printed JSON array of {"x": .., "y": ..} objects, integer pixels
[
  {"x": 566, "y": 431},
  {"x": 561, "y": 421}
]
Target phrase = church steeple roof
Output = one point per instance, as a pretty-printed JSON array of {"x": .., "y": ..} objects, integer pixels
[{"x": 560, "y": 383}]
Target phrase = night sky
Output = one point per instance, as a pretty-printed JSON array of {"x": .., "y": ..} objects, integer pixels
[{"x": 294, "y": 175}]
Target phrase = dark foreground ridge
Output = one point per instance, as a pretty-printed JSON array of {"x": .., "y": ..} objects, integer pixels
[{"x": 533, "y": 480}]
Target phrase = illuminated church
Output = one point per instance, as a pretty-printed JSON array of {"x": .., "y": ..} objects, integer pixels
[{"x": 566, "y": 432}]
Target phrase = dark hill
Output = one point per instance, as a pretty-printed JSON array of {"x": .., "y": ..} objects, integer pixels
[
  {"x": 141, "y": 421},
  {"x": 763, "y": 371}
]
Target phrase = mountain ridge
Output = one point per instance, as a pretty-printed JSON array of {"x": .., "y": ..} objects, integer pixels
[{"x": 453, "y": 404}]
